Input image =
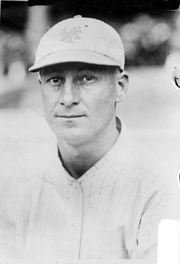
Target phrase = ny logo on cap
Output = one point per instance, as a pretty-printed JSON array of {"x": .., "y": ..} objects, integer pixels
[{"x": 71, "y": 35}]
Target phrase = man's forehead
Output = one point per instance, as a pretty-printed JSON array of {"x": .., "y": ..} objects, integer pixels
[{"x": 75, "y": 67}]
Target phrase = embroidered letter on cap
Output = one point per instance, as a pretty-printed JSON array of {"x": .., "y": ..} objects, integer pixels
[{"x": 71, "y": 35}]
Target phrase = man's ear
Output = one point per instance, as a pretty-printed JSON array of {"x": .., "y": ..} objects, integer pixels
[{"x": 122, "y": 80}]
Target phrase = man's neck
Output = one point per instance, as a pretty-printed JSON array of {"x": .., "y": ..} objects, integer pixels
[{"x": 78, "y": 159}]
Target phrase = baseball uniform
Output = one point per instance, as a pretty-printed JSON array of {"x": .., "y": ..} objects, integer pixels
[{"x": 111, "y": 212}]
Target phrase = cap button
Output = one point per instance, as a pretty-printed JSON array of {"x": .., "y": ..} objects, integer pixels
[{"x": 77, "y": 16}]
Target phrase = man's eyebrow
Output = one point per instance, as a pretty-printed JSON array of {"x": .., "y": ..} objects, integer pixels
[
  {"x": 54, "y": 71},
  {"x": 84, "y": 69},
  {"x": 90, "y": 68}
]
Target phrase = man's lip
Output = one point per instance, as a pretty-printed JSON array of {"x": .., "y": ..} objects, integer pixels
[{"x": 69, "y": 116}]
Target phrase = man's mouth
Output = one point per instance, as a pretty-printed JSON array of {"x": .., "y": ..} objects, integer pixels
[{"x": 69, "y": 116}]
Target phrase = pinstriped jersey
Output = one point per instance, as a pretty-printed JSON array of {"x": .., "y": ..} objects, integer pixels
[{"x": 111, "y": 212}]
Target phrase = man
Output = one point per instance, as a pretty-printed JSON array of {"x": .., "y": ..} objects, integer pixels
[{"x": 101, "y": 196}]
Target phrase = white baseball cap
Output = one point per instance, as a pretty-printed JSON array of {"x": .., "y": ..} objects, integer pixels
[{"x": 80, "y": 39}]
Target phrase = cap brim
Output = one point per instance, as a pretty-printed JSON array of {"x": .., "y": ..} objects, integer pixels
[{"x": 85, "y": 56}]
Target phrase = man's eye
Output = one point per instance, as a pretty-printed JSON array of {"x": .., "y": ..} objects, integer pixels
[
  {"x": 54, "y": 81},
  {"x": 86, "y": 79}
]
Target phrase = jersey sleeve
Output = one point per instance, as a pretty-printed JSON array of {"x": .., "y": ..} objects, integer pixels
[{"x": 162, "y": 203}]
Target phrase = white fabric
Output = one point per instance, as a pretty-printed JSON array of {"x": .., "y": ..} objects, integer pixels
[
  {"x": 80, "y": 39},
  {"x": 111, "y": 212}
]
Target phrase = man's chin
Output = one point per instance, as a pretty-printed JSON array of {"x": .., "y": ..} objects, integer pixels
[{"x": 73, "y": 136}]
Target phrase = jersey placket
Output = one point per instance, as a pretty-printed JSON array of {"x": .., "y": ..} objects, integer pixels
[{"x": 74, "y": 221}]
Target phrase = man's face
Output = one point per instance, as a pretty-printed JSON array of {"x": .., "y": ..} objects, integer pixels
[{"x": 79, "y": 100}]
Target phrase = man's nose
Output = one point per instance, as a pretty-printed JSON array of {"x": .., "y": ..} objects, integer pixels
[{"x": 69, "y": 94}]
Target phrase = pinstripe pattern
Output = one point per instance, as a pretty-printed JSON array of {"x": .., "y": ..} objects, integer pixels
[{"x": 111, "y": 212}]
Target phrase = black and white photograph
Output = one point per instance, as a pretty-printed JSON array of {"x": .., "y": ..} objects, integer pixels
[{"x": 90, "y": 132}]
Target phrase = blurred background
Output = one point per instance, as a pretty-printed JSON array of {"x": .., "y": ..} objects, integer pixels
[{"x": 151, "y": 108}]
